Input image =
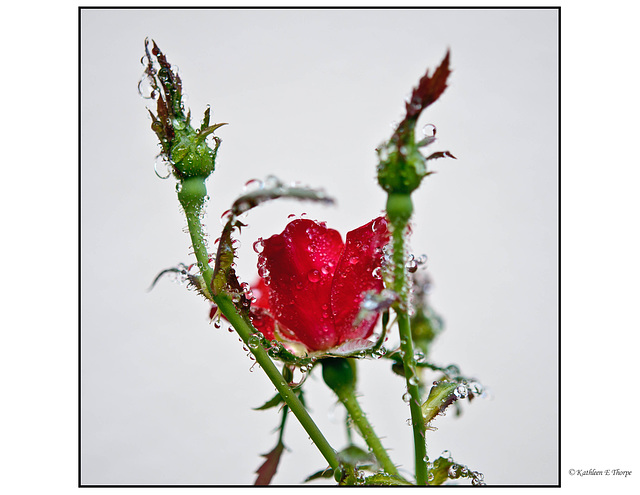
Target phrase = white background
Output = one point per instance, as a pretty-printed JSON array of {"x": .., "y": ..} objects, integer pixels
[
  {"x": 40, "y": 216},
  {"x": 309, "y": 94}
]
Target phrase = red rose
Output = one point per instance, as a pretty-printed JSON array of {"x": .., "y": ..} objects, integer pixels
[{"x": 312, "y": 283}]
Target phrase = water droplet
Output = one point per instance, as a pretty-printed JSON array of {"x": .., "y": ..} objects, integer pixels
[
  {"x": 226, "y": 216},
  {"x": 429, "y": 130},
  {"x": 162, "y": 167},
  {"x": 272, "y": 182},
  {"x": 476, "y": 389},
  {"x": 461, "y": 391},
  {"x": 418, "y": 355},
  {"x": 452, "y": 371},
  {"x": 254, "y": 341},
  {"x": 411, "y": 266},
  {"x": 422, "y": 259},
  {"x": 377, "y": 273},
  {"x": 258, "y": 246},
  {"x": 406, "y": 397},
  {"x": 314, "y": 275},
  {"x": 263, "y": 271},
  {"x": 178, "y": 124},
  {"x": 252, "y": 185},
  {"x": 146, "y": 89},
  {"x": 378, "y": 224}
]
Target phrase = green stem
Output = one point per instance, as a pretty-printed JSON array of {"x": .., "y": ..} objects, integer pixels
[
  {"x": 192, "y": 208},
  {"x": 291, "y": 399},
  {"x": 417, "y": 422},
  {"x": 399, "y": 210},
  {"x": 348, "y": 399}
]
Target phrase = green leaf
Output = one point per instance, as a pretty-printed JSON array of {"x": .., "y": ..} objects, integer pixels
[
  {"x": 445, "y": 468},
  {"x": 384, "y": 479},
  {"x": 325, "y": 473},
  {"x": 439, "y": 470},
  {"x": 274, "y": 402},
  {"x": 357, "y": 457},
  {"x": 440, "y": 397}
]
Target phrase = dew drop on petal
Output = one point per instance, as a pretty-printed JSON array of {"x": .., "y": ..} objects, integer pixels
[
  {"x": 314, "y": 275},
  {"x": 258, "y": 246},
  {"x": 377, "y": 224}
]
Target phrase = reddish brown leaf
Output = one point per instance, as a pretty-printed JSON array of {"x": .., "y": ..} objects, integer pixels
[
  {"x": 267, "y": 471},
  {"x": 429, "y": 89}
]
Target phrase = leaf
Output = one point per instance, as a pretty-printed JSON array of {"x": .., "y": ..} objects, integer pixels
[
  {"x": 439, "y": 470},
  {"x": 325, "y": 473},
  {"x": 384, "y": 479},
  {"x": 268, "y": 469},
  {"x": 441, "y": 396},
  {"x": 357, "y": 457},
  {"x": 429, "y": 89},
  {"x": 273, "y": 402},
  {"x": 444, "y": 469},
  {"x": 440, "y": 154}
]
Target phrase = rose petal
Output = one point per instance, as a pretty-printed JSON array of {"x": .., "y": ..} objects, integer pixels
[
  {"x": 260, "y": 315},
  {"x": 356, "y": 276},
  {"x": 298, "y": 267}
]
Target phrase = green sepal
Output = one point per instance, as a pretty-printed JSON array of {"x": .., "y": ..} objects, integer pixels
[
  {"x": 339, "y": 374},
  {"x": 183, "y": 146}
]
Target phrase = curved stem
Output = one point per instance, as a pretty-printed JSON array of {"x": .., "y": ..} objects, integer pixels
[
  {"x": 245, "y": 330},
  {"x": 406, "y": 348},
  {"x": 348, "y": 399}
]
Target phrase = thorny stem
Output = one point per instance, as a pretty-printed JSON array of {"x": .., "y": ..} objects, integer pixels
[
  {"x": 245, "y": 330},
  {"x": 399, "y": 210},
  {"x": 348, "y": 399}
]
